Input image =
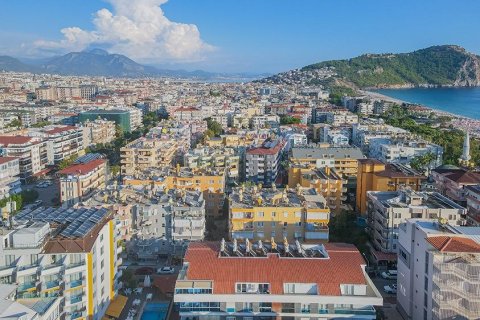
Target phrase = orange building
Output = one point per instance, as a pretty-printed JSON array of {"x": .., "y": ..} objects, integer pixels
[{"x": 374, "y": 175}]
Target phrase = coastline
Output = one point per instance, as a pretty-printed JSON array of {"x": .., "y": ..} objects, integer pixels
[{"x": 461, "y": 122}]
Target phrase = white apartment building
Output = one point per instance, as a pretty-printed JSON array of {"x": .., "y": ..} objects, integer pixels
[
  {"x": 404, "y": 151},
  {"x": 438, "y": 271},
  {"x": 65, "y": 261},
  {"x": 9, "y": 176},
  {"x": 263, "y": 121},
  {"x": 387, "y": 210},
  {"x": 337, "y": 118},
  {"x": 98, "y": 131},
  {"x": 271, "y": 281},
  {"x": 262, "y": 163},
  {"x": 32, "y": 153},
  {"x": 222, "y": 119},
  {"x": 62, "y": 141}
]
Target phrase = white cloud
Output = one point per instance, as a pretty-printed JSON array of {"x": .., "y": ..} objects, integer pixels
[{"x": 138, "y": 29}]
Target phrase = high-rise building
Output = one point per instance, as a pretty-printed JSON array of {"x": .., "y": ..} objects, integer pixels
[
  {"x": 262, "y": 163},
  {"x": 438, "y": 271},
  {"x": 62, "y": 259}
]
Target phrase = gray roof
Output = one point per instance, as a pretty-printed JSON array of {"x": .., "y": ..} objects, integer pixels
[{"x": 328, "y": 152}]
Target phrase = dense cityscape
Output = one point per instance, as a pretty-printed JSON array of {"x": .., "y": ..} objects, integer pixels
[{"x": 160, "y": 198}]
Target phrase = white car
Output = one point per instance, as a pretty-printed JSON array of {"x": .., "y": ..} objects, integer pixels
[
  {"x": 389, "y": 275},
  {"x": 390, "y": 288},
  {"x": 166, "y": 270}
]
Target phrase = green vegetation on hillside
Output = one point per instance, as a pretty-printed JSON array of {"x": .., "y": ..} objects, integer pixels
[
  {"x": 450, "y": 139},
  {"x": 285, "y": 120},
  {"x": 438, "y": 65}
]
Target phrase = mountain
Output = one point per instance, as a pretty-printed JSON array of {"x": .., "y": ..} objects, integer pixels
[
  {"x": 446, "y": 65},
  {"x": 98, "y": 62},
  {"x": 11, "y": 64},
  {"x": 436, "y": 66}
]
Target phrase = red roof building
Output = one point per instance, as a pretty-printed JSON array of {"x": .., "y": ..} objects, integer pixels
[{"x": 317, "y": 278}]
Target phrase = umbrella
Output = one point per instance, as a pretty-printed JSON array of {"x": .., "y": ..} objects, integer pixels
[{"x": 147, "y": 283}]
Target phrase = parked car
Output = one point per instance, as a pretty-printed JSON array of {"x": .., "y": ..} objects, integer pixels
[
  {"x": 166, "y": 270},
  {"x": 389, "y": 274},
  {"x": 392, "y": 288},
  {"x": 38, "y": 202}
]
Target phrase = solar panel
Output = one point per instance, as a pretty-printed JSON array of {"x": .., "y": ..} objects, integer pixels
[
  {"x": 98, "y": 215},
  {"x": 84, "y": 229},
  {"x": 68, "y": 232}
]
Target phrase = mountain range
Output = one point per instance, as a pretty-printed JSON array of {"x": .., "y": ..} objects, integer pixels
[
  {"x": 436, "y": 66},
  {"x": 98, "y": 62}
]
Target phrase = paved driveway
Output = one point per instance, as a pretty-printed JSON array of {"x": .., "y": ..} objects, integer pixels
[{"x": 48, "y": 195}]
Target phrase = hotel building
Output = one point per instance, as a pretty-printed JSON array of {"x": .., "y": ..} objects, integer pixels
[{"x": 274, "y": 281}]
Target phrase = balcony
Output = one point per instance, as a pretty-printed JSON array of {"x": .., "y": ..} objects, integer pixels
[
  {"x": 49, "y": 285},
  {"x": 27, "y": 286},
  {"x": 240, "y": 234},
  {"x": 75, "y": 267},
  {"x": 370, "y": 311},
  {"x": 27, "y": 270},
  {"x": 51, "y": 269},
  {"x": 7, "y": 271},
  {"x": 76, "y": 299},
  {"x": 77, "y": 315},
  {"x": 76, "y": 283}
]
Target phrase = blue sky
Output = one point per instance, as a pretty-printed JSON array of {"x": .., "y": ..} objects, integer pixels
[{"x": 234, "y": 35}]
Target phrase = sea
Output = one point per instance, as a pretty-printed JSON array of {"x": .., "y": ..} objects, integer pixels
[{"x": 461, "y": 101}]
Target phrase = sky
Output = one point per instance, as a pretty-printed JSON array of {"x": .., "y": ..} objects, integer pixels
[{"x": 235, "y": 35}]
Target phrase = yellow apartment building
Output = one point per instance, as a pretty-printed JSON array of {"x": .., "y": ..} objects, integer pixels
[
  {"x": 257, "y": 213},
  {"x": 325, "y": 181}
]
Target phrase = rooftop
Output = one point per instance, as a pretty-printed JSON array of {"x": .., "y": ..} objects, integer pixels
[
  {"x": 82, "y": 168},
  {"x": 408, "y": 199},
  {"x": 454, "y": 243},
  {"x": 268, "y": 148},
  {"x": 327, "y": 152},
  {"x": 273, "y": 197},
  {"x": 337, "y": 264}
]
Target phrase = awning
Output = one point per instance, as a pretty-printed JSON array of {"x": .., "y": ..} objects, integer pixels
[
  {"x": 116, "y": 306},
  {"x": 382, "y": 256}
]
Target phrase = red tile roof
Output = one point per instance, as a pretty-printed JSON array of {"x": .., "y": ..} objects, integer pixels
[
  {"x": 82, "y": 168},
  {"x": 60, "y": 129},
  {"x": 9, "y": 140},
  {"x": 267, "y": 151},
  {"x": 454, "y": 244},
  {"x": 342, "y": 267},
  {"x": 6, "y": 159}
]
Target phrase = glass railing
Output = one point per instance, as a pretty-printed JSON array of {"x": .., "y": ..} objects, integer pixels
[
  {"x": 26, "y": 286},
  {"x": 75, "y": 283},
  {"x": 76, "y": 299},
  {"x": 369, "y": 311},
  {"x": 52, "y": 284}
]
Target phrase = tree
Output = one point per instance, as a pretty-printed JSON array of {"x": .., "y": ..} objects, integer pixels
[
  {"x": 67, "y": 162},
  {"x": 16, "y": 123},
  {"x": 285, "y": 120},
  {"x": 214, "y": 127},
  {"x": 422, "y": 162}
]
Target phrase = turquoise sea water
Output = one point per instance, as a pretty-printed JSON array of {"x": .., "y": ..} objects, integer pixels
[
  {"x": 461, "y": 101},
  {"x": 155, "y": 311}
]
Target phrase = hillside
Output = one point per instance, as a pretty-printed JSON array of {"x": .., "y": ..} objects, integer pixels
[
  {"x": 434, "y": 66},
  {"x": 11, "y": 64}
]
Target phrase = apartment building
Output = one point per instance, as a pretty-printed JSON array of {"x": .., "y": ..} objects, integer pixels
[
  {"x": 146, "y": 153},
  {"x": 342, "y": 159},
  {"x": 452, "y": 181},
  {"x": 219, "y": 158},
  {"x": 98, "y": 131},
  {"x": 262, "y": 163},
  {"x": 341, "y": 117},
  {"x": 473, "y": 204},
  {"x": 264, "y": 121},
  {"x": 9, "y": 176},
  {"x": 266, "y": 280},
  {"x": 88, "y": 91},
  {"x": 78, "y": 181},
  {"x": 403, "y": 152},
  {"x": 209, "y": 181},
  {"x": 438, "y": 268},
  {"x": 257, "y": 213},
  {"x": 222, "y": 119},
  {"x": 63, "y": 141},
  {"x": 324, "y": 180},
  {"x": 10, "y": 309},
  {"x": 387, "y": 210},
  {"x": 64, "y": 261},
  {"x": 172, "y": 215},
  {"x": 32, "y": 154},
  {"x": 374, "y": 175},
  {"x": 188, "y": 113}
]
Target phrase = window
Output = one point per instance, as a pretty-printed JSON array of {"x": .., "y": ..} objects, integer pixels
[
  {"x": 9, "y": 259},
  {"x": 274, "y": 224},
  {"x": 426, "y": 284},
  {"x": 260, "y": 214},
  {"x": 274, "y": 214},
  {"x": 101, "y": 280},
  {"x": 260, "y": 224},
  {"x": 285, "y": 214}
]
